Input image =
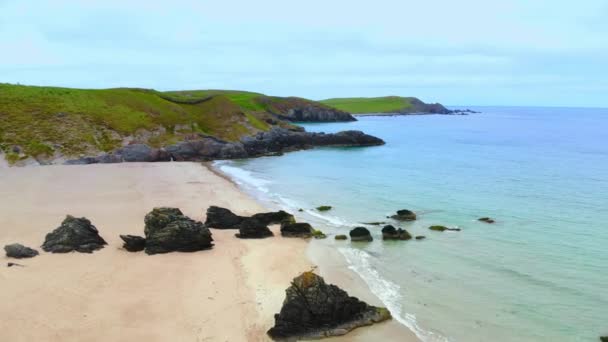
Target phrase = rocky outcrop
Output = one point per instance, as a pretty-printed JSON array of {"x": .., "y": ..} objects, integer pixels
[
  {"x": 313, "y": 309},
  {"x": 169, "y": 230},
  {"x": 404, "y": 215},
  {"x": 300, "y": 230},
  {"x": 252, "y": 228},
  {"x": 360, "y": 234},
  {"x": 205, "y": 148},
  {"x": 222, "y": 218},
  {"x": 301, "y": 110},
  {"x": 486, "y": 220},
  {"x": 74, "y": 234},
  {"x": 438, "y": 228},
  {"x": 133, "y": 243},
  {"x": 19, "y": 251},
  {"x": 274, "y": 217},
  {"x": 391, "y": 233}
]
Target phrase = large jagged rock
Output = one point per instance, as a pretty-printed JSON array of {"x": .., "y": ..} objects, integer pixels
[
  {"x": 360, "y": 234},
  {"x": 74, "y": 234},
  {"x": 222, "y": 218},
  {"x": 314, "y": 309},
  {"x": 252, "y": 228},
  {"x": 404, "y": 215},
  {"x": 299, "y": 230},
  {"x": 133, "y": 243},
  {"x": 274, "y": 217},
  {"x": 169, "y": 230},
  {"x": 391, "y": 233},
  {"x": 19, "y": 251}
]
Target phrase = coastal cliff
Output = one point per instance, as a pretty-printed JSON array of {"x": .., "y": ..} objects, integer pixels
[{"x": 389, "y": 105}]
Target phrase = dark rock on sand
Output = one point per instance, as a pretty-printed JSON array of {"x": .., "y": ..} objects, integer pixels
[
  {"x": 360, "y": 234},
  {"x": 313, "y": 309},
  {"x": 301, "y": 230},
  {"x": 404, "y": 215},
  {"x": 11, "y": 264},
  {"x": 133, "y": 243},
  {"x": 169, "y": 230},
  {"x": 275, "y": 217},
  {"x": 341, "y": 237},
  {"x": 420, "y": 237},
  {"x": 222, "y": 218},
  {"x": 74, "y": 234},
  {"x": 19, "y": 251},
  {"x": 253, "y": 228},
  {"x": 391, "y": 233},
  {"x": 486, "y": 220},
  {"x": 443, "y": 228},
  {"x": 324, "y": 208}
]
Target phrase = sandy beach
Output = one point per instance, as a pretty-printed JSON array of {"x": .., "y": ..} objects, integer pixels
[{"x": 229, "y": 293}]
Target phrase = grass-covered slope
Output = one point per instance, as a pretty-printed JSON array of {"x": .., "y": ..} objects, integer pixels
[
  {"x": 387, "y": 104},
  {"x": 45, "y": 122}
]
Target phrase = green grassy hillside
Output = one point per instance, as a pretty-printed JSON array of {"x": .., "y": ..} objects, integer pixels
[
  {"x": 43, "y": 121},
  {"x": 360, "y": 105}
]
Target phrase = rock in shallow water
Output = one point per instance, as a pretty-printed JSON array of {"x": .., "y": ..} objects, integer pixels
[
  {"x": 252, "y": 228},
  {"x": 404, "y": 215},
  {"x": 133, "y": 243},
  {"x": 314, "y": 309},
  {"x": 74, "y": 234},
  {"x": 19, "y": 251},
  {"x": 391, "y": 233},
  {"x": 360, "y": 234},
  {"x": 341, "y": 237},
  {"x": 169, "y": 230},
  {"x": 443, "y": 228},
  {"x": 486, "y": 220}
]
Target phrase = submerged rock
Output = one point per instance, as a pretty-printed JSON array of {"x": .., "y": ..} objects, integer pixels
[
  {"x": 253, "y": 228},
  {"x": 317, "y": 234},
  {"x": 222, "y": 218},
  {"x": 314, "y": 309},
  {"x": 404, "y": 215},
  {"x": 360, "y": 234},
  {"x": 301, "y": 230},
  {"x": 133, "y": 243},
  {"x": 19, "y": 251},
  {"x": 391, "y": 233},
  {"x": 420, "y": 237},
  {"x": 324, "y": 208},
  {"x": 275, "y": 217},
  {"x": 169, "y": 230},
  {"x": 341, "y": 237},
  {"x": 74, "y": 234},
  {"x": 443, "y": 228},
  {"x": 486, "y": 220}
]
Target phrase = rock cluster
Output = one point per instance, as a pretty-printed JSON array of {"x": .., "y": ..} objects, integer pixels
[
  {"x": 314, "y": 309},
  {"x": 205, "y": 148},
  {"x": 74, "y": 234},
  {"x": 19, "y": 251},
  {"x": 169, "y": 230},
  {"x": 404, "y": 215},
  {"x": 360, "y": 234},
  {"x": 222, "y": 218},
  {"x": 391, "y": 233}
]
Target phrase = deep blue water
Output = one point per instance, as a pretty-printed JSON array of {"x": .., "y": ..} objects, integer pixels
[{"x": 539, "y": 274}]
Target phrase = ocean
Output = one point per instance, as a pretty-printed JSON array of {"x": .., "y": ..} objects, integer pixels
[{"x": 540, "y": 273}]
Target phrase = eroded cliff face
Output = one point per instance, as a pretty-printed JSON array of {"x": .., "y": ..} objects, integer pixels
[{"x": 301, "y": 110}]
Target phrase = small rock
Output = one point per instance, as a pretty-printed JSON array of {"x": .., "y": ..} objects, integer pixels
[
  {"x": 317, "y": 234},
  {"x": 360, "y": 234},
  {"x": 443, "y": 228},
  {"x": 391, "y": 233},
  {"x": 312, "y": 309},
  {"x": 74, "y": 234},
  {"x": 341, "y": 237},
  {"x": 133, "y": 243},
  {"x": 604, "y": 338},
  {"x": 11, "y": 264},
  {"x": 252, "y": 228},
  {"x": 301, "y": 230},
  {"x": 486, "y": 220},
  {"x": 19, "y": 251},
  {"x": 404, "y": 215},
  {"x": 420, "y": 237},
  {"x": 374, "y": 223},
  {"x": 324, "y": 208},
  {"x": 222, "y": 218}
]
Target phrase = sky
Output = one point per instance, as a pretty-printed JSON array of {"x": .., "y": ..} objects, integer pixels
[{"x": 466, "y": 52}]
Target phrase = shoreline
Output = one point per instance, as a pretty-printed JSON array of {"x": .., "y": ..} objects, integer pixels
[{"x": 229, "y": 292}]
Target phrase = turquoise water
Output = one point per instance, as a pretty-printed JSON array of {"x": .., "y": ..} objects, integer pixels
[{"x": 539, "y": 274}]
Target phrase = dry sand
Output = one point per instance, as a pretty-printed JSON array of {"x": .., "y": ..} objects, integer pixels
[{"x": 229, "y": 293}]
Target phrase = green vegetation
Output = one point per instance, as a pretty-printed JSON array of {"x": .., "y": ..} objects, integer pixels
[
  {"x": 42, "y": 121},
  {"x": 362, "y": 105}
]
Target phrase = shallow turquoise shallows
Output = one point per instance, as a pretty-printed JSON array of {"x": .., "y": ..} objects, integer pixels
[{"x": 540, "y": 273}]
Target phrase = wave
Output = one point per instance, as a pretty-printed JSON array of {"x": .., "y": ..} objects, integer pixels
[
  {"x": 242, "y": 176},
  {"x": 388, "y": 292}
]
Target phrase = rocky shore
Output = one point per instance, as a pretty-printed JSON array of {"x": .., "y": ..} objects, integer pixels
[{"x": 206, "y": 148}]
